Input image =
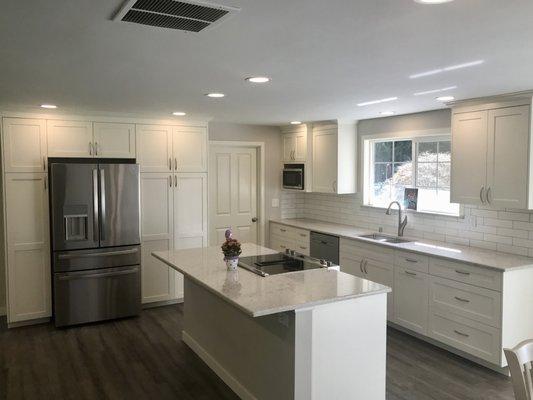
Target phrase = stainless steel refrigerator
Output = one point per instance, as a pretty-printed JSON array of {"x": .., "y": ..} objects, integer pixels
[{"x": 96, "y": 254}]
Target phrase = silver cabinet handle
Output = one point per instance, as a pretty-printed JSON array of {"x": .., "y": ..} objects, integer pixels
[
  {"x": 283, "y": 230},
  {"x": 410, "y": 273},
  {"x": 170, "y": 164},
  {"x": 102, "y": 203},
  {"x": 364, "y": 267},
  {"x": 487, "y": 195},
  {"x": 95, "y": 148},
  {"x": 104, "y": 254},
  {"x": 481, "y": 194},
  {"x": 103, "y": 275},
  {"x": 334, "y": 186},
  {"x": 176, "y": 181},
  {"x": 95, "y": 205},
  {"x": 90, "y": 149},
  {"x": 303, "y": 248},
  {"x": 44, "y": 163},
  {"x": 461, "y": 333},
  {"x": 361, "y": 266},
  {"x": 411, "y": 260},
  {"x": 462, "y": 272},
  {"x": 175, "y": 163},
  {"x": 44, "y": 181},
  {"x": 461, "y": 299},
  {"x": 170, "y": 180}
]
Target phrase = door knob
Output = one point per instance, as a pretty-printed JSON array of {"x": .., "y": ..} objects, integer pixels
[{"x": 254, "y": 219}]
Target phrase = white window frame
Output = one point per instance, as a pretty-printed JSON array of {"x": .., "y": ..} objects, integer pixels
[{"x": 416, "y": 137}]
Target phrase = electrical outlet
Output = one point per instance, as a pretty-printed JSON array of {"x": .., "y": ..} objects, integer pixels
[{"x": 275, "y": 203}]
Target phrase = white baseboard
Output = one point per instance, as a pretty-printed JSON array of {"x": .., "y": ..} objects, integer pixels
[
  {"x": 218, "y": 369},
  {"x": 162, "y": 303}
]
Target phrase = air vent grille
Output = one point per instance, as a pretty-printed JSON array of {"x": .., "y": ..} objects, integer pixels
[{"x": 192, "y": 16}]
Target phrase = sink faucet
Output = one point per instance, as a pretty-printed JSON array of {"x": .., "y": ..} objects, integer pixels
[{"x": 401, "y": 224}]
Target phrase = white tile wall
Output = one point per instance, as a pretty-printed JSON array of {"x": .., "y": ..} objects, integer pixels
[{"x": 507, "y": 231}]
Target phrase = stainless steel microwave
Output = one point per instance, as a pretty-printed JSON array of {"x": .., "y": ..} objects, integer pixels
[{"x": 293, "y": 176}]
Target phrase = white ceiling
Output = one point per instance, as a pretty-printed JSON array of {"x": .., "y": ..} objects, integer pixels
[{"x": 324, "y": 57}]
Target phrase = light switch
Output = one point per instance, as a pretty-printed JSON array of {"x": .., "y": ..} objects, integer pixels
[{"x": 275, "y": 203}]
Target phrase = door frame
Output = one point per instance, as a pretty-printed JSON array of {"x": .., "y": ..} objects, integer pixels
[{"x": 260, "y": 149}]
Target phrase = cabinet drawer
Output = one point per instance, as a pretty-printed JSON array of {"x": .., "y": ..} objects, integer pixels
[
  {"x": 477, "y": 276},
  {"x": 469, "y": 336},
  {"x": 417, "y": 262},
  {"x": 478, "y": 304},
  {"x": 280, "y": 230},
  {"x": 280, "y": 243},
  {"x": 302, "y": 247},
  {"x": 300, "y": 235},
  {"x": 364, "y": 250}
]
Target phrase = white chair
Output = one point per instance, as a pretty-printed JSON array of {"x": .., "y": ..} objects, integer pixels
[{"x": 520, "y": 360}]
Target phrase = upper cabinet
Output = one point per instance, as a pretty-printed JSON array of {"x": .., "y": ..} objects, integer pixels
[
  {"x": 334, "y": 158},
  {"x": 295, "y": 144},
  {"x": 24, "y": 145},
  {"x": 172, "y": 148},
  {"x": 69, "y": 138},
  {"x": 114, "y": 140},
  {"x": 490, "y": 156}
]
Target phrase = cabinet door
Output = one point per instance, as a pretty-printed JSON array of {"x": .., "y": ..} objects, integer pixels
[
  {"x": 112, "y": 140},
  {"x": 28, "y": 246},
  {"x": 376, "y": 271},
  {"x": 24, "y": 145},
  {"x": 508, "y": 142},
  {"x": 190, "y": 215},
  {"x": 158, "y": 282},
  {"x": 325, "y": 161},
  {"x": 190, "y": 149},
  {"x": 70, "y": 138},
  {"x": 469, "y": 157},
  {"x": 289, "y": 146},
  {"x": 411, "y": 299},
  {"x": 154, "y": 148},
  {"x": 300, "y": 151}
]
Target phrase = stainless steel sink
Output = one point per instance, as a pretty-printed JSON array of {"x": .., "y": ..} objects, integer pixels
[{"x": 379, "y": 237}]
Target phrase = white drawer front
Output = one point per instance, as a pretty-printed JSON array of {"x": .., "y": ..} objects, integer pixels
[
  {"x": 301, "y": 235},
  {"x": 469, "y": 336},
  {"x": 302, "y": 247},
  {"x": 280, "y": 230},
  {"x": 477, "y": 276},
  {"x": 418, "y": 262},
  {"x": 281, "y": 244},
  {"x": 365, "y": 250},
  {"x": 478, "y": 304}
]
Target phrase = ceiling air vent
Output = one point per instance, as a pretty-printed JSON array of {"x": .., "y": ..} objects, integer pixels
[{"x": 192, "y": 16}]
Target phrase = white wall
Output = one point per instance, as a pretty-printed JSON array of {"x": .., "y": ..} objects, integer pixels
[
  {"x": 509, "y": 231},
  {"x": 270, "y": 135}
]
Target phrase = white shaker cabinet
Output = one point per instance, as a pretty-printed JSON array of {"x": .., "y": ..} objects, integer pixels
[
  {"x": 28, "y": 246},
  {"x": 490, "y": 157},
  {"x": 24, "y": 145},
  {"x": 70, "y": 138},
  {"x": 295, "y": 145},
  {"x": 334, "y": 158},
  {"x": 114, "y": 140},
  {"x": 189, "y": 146},
  {"x": 154, "y": 148},
  {"x": 411, "y": 297}
]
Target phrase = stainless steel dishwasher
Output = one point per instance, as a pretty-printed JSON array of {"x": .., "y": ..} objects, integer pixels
[{"x": 325, "y": 247}]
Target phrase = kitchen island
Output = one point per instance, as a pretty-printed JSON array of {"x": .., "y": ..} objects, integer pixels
[{"x": 314, "y": 334}]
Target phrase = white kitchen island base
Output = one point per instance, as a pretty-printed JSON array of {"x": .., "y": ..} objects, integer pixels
[{"x": 330, "y": 351}]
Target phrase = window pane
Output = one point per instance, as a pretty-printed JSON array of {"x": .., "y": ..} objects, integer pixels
[
  {"x": 427, "y": 151},
  {"x": 402, "y": 151},
  {"x": 398, "y": 192},
  {"x": 381, "y": 194},
  {"x": 382, "y": 172},
  {"x": 383, "y": 151},
  {"x": 445, "y": 151},
  {"x": 444, "y": 175},
  {"x": 432, "y": 200},
  {"x": 403, "y": 174},
  {"x": 427, "y": 175}
]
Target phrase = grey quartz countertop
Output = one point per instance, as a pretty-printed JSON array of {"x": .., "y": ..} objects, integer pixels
[
  {"x": 479, "y": 257},
  {"x": 256, "y": 295}
]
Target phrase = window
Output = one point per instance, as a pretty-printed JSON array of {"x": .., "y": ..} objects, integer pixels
[{"x": 422, "y": 163}]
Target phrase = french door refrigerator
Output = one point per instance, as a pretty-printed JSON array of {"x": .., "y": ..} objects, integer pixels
[{"x": 94, "y": 211}]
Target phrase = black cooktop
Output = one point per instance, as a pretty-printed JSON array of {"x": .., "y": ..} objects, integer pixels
[{"x": 272, "y": 264}]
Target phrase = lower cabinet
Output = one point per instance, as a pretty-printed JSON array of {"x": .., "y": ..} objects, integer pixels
[
  {"x": 28, "y": 246},
  {"x": 411, "y": 294},
  {"x": 284, "y": 237},
  {"x": 173, "y": 216}
]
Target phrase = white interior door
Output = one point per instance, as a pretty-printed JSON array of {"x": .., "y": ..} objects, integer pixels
[{"x": 232, "y": 193}]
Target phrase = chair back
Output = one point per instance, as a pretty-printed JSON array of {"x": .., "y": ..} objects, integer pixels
[{"x": 520, "y": 360}]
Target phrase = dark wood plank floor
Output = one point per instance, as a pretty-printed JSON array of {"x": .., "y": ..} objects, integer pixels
[{"x": 144, "y": 358}]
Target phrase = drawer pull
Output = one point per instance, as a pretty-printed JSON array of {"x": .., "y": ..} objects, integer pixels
[
  {"x": 462, "y": 272},
  {"x": 410, "y": 273},
  {"x": 303, "y": 235},
  {"x": 411, "y": 260},
  {"x": 303, "y": 248},
  {"x": 461, "y": 299},
  {"x": 283, "y": 247},
  {"x": 283, "y": 230},
  {"x": 461, "y": 333}
]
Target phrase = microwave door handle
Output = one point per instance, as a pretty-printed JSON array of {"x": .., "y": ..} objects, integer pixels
[
  {"x": 102, "y": 204},
  {"x": 95, "y": 205}
]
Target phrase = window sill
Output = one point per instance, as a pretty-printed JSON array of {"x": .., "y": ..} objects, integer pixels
[{"x": 461, "y": 214}]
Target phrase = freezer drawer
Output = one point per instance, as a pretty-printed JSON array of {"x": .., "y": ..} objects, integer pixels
[
  {"x": 96, "y": 295},
  {"x": 81, "y": 260}
]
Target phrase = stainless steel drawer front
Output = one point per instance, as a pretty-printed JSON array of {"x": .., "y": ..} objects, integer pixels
[{"x": 81, "y": 260}]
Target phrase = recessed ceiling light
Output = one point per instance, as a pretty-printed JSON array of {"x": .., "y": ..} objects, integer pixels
[
  {"x": 368, "y": 103},
  {"x": 296, "y": 122},
  {"x": 387, "y": 113},
  {"x": 447, "y": 69},
  {"x": 258, "y": 79},
  {"x": 215, "y": 95},
  {"x": 179, "y": 113},
  {"x": 432, "y": 1},
  {"x": 52, "y": 106},
  {"x": 435, "y": 91},
  {"x": 445, "y": 98}
]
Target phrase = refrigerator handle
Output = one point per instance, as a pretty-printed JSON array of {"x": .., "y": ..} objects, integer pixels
[
  {"x": 102, "y": 204},
  {"x": 95, "y": 204}
]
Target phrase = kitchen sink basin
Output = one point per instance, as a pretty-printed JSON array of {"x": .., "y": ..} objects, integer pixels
[{"x": 378, "y": 237}]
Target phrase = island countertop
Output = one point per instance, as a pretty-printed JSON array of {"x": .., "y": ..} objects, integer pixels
[{"x": 258, "y": 296}]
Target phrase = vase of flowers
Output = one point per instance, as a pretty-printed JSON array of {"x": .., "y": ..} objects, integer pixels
[{"x": 231, "y": 249}]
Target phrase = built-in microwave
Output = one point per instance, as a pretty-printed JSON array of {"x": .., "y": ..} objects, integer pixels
[{"x": 293, "y": 176}]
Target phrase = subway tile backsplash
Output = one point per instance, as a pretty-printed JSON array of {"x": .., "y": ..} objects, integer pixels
[{"x": 507, "y": 231}]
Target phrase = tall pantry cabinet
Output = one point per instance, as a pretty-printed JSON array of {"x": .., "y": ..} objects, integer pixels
[{"x": 173, "y": 162}]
